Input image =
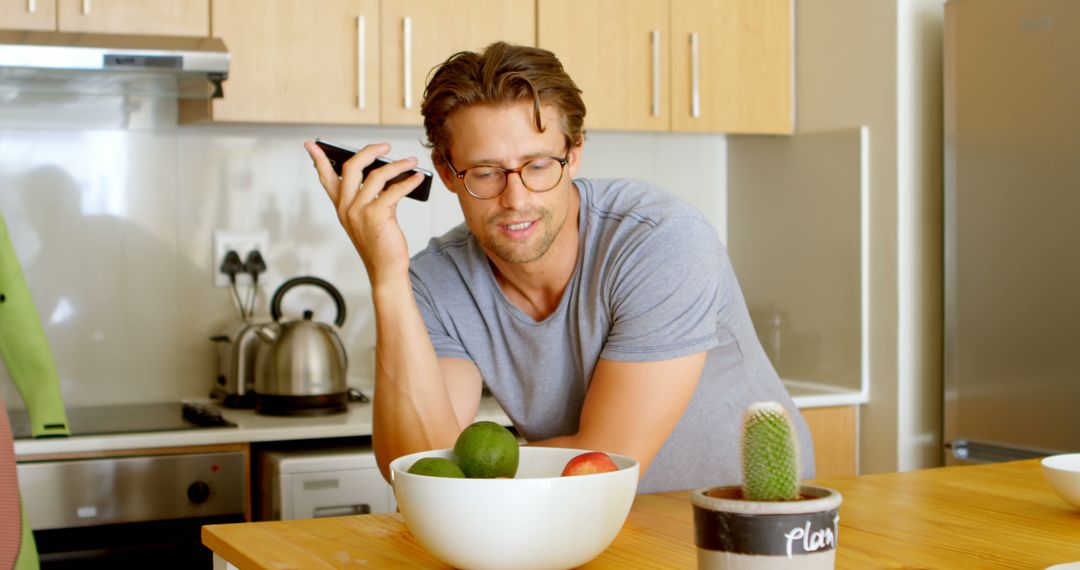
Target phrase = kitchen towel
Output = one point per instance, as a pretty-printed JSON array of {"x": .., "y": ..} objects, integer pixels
[{"x": 25, "y": 348}]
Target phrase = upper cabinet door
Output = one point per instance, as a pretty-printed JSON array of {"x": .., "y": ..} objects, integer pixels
[
  {"x": 296, "y": 61},
  {"x": 28, "y": 15},
  {"x": 732, "y": 66},
  {"x": 417, "y": 35},
  {"x": 617, "y": 53},
  {"x": 154, "y": 17}
]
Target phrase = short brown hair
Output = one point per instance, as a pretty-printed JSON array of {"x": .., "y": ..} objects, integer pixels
[{"x": 499, "y": 75}]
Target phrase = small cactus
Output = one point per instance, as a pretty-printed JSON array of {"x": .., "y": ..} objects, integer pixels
[{"x": 769, "y": 454}]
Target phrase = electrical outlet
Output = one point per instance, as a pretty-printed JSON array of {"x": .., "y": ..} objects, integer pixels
[{"x": 242, "y": 243}]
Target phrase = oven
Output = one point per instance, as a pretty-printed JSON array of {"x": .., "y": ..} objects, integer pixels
[{"x": 131, "y": 509}]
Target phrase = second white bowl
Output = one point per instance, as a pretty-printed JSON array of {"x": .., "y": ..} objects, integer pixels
[{"x": 1063, "y": 474}]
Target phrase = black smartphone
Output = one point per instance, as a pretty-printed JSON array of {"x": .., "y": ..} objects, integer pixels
[{"x": 338, "y": 154}]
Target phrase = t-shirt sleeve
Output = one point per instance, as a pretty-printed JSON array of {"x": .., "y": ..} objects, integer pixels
[
  {"x": 447, "y": 345},
  {"x": 665, "y": 292}
]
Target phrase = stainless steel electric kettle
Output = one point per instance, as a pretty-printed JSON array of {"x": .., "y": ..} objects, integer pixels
[{"x": 301, "y": 363}]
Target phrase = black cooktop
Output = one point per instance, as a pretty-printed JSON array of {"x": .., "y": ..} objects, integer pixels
[{"x": 128, "y": 418}]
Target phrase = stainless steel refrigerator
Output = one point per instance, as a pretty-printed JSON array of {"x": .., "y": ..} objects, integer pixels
[{"x": 1012, "y": 229}]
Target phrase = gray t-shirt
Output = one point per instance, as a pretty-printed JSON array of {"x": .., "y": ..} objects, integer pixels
[{"x": 652, "y": 282}]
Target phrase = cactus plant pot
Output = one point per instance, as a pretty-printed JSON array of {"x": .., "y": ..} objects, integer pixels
[{"x": 733, "y": 533}]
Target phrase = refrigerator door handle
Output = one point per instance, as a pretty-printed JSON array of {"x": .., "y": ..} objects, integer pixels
[
  {"x": 959, "y": 449},
  {"x": 980, "y": 452}
]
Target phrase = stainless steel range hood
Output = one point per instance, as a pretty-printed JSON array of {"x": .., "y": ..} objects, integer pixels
[{"x": 101, "y": 64}]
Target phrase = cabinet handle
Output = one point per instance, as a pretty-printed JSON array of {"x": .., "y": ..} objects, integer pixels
[
  {"x": 406, "y": 72},
  {"x": 656, "y": 73},
  {"x": 31, "y": 6},
  {"x": 86, "y": 7},
  {"x": 695, "y": 78},
  {"x": 361, "y": 63}
]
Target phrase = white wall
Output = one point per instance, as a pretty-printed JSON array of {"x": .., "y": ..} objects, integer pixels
[{"x": 112, "y": 207}]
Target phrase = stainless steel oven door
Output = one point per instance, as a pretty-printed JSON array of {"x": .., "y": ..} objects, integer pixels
[{"x": 130, "y": 511}]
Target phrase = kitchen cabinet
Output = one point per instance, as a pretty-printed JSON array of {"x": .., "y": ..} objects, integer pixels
[
  {"x": 28, "y": 15},
  {"x": 732, "y": 61},
  {"x": 833, "y": 430},
  {"x": 617, "y": 53},
  {"x": 680, "y": 65},
  {"x": 417, "y": 35},
  {"x": 294, "y": 64},
  {"x": 350, "y": 61},
  {"x": 156, "y": 17}
]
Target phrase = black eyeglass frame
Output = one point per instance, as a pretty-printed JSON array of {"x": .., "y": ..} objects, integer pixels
[{"x": 508, "y": 171}]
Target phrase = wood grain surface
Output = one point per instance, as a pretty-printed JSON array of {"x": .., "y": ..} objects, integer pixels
[
  {"x": 160, "y": 17},
  {"x": 834, "y": 431},
  {"x": 989, "y": 516}
]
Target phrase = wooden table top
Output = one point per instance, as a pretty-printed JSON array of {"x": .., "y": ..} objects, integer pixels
[{"x": 1002, "y": 515}]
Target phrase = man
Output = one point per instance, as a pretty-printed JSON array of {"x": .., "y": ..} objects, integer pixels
[{"x": 601, "y": 314}]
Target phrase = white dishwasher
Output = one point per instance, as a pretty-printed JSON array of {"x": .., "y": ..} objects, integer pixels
[{"x": 326, "y": 482}]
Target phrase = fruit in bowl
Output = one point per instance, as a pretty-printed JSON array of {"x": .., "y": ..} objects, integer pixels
[
  {"x": 486, "y": 450},
  {"x": 538, "y": 519},
  {"x": 437, "y": 467},
  {"x": 1063, "y": 474},
  {"x": 589, "y": 463}
]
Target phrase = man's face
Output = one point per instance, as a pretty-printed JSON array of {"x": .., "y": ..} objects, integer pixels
[{"x": 518, "y": 226}]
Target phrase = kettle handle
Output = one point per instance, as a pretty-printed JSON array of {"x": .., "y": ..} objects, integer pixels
[{"x": 275, "y": 302}]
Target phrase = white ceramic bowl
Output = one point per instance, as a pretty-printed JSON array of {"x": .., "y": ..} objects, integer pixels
[
  {"x": 1063, "y": 474},
  {"x": 538, "y": 520}
]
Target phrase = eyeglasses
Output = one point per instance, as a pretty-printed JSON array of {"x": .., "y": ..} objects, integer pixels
[{"x": 537, "y": 175}]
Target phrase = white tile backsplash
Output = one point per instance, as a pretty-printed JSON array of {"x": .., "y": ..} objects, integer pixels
[{"x": 112, "y": 219}]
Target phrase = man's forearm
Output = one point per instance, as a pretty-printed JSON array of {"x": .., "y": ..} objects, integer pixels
[
  {"x": 621, "y": 413},
  {"x": 412, "y": 406}
]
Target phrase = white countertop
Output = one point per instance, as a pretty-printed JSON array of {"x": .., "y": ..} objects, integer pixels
[
  {"x": 252, "y": 427},
  {"x": 816, "y": 395}
]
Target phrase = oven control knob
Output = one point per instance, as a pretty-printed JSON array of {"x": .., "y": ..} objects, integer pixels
[{"x": 198, "y": 492}]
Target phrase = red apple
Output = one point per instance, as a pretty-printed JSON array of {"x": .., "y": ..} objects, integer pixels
[{"x": 587, "y": 463}]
